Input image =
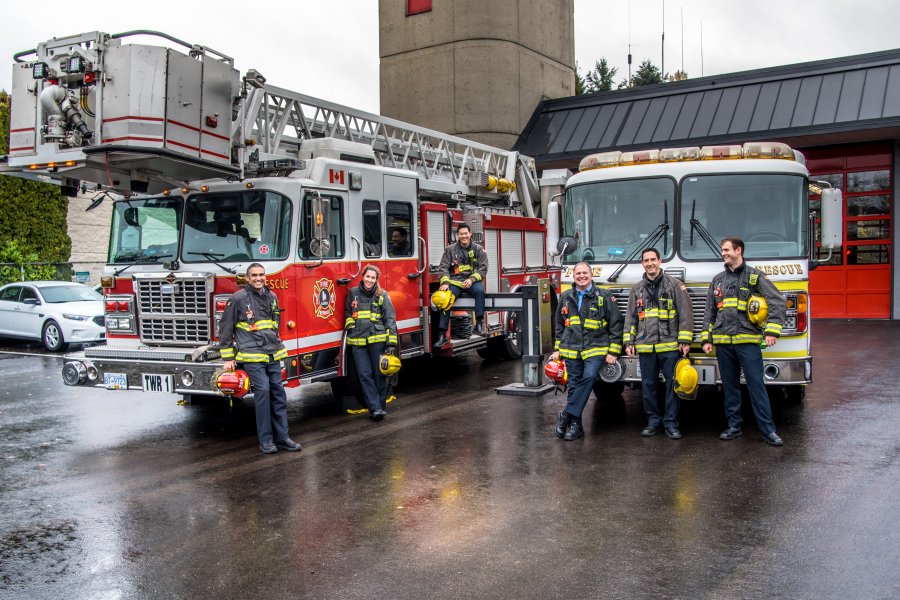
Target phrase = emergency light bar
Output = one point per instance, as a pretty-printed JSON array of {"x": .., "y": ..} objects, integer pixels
[{"x": 603, "y": 160}]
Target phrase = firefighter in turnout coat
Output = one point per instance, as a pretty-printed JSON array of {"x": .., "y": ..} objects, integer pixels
[
  {"x": 737, "y": 340},
  {"x": 658, "y": 328},
  {"x": 371, "y": 325},
  {"x": 248, "y": 334},
  {"x": 463, "y": 269},
  {"x": 588, "y": 333}
]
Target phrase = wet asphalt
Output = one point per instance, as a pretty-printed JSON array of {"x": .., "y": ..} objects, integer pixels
[{"x": 458, "y": 493}]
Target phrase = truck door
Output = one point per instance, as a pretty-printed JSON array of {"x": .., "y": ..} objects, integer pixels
[
  {"x": 324, "y": 274},
  {"x": 401, "y": 269}
]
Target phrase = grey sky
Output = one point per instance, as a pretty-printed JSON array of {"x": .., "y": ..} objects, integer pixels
[{"x": 329, "y": 48}]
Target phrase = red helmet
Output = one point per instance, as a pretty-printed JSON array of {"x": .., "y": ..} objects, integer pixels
[
  {"x": 555, "y": 370},
  {"x": 232, "y": 383}
]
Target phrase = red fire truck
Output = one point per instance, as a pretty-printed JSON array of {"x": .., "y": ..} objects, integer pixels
[{"x": 214, "y": 171}]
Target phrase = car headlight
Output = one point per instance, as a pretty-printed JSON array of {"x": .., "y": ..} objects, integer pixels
[{"x": 75, "y": 317}]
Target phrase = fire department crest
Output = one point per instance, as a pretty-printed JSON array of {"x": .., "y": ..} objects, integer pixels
[{"x": 323, "y": 298}]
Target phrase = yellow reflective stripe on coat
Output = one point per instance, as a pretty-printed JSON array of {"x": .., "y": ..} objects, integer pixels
[
  {"x": 685, "y": 337},
  {"x": 280, "y": 355},
  {"x": 227, "y": 353},
  {"x": 615, "y": 349},
  {"x": 574, "y": 320},
  {"x": 663, "y": 347},
  {"x": 350, "y": 323},
  {"x": 556, "y": 345},
  {"x": 458, "y": 284},
  {"x": 741, "y": 338},
  {"x": 363, "y": 314},
  {"x": 592, "y": 352},
  {"x": 476, "y": 276},
  {"x": 392, "y": 338},
  {"x": 258, "y": 326},
  {"x": 252, "y": 357},
  {"x": 773, "y": 329},
  {"x": 593, "y": 324}
]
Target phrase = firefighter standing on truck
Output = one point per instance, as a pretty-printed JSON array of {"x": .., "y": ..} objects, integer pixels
[
  {"x": 463, "y": 268},
  {"x": 248, "y": 334},
  {"x": 732, "y": 305},
  {"x": 588, "y": 333},
  {"x": 658, "y": 328}
]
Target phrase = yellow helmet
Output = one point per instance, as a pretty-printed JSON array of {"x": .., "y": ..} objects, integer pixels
[
  {"x": 686, "y": 378},
  {"x": 757, "y": 310},
  {"x": 442, "y": 299},
  {"x": 388, "y": 364}
]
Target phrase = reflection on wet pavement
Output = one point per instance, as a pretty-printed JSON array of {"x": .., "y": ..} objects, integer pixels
[{"x": 458, "y": 493}]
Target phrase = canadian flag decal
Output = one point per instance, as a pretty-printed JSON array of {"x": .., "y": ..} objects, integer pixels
[{"x": 335, "y": 176}]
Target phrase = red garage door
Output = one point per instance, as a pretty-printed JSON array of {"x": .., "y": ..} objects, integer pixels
[{"x": 856, "y": 281}]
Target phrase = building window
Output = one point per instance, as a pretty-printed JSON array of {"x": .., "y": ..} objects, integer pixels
[{"x": 414, "y": 7}]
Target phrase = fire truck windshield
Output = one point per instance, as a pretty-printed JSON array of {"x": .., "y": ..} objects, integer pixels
[
  {"x": 144, "y": 230},
  {"x": 236, "y": 226},
  {"x": 768, "y": 211},
  {"x": 611, "y": 219}
]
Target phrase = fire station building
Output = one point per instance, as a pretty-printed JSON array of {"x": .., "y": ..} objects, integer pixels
[{"x": 842, "y": 114}]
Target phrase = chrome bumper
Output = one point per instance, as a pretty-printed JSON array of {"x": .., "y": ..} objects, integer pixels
[
  {"x": 776, "y": 371},
  {"x": 193, "y": 378}
]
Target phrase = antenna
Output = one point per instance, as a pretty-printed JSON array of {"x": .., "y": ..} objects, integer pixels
[
  {"x": 629, "y": 43},
  {"x": 663, "y": 66},
  {"x": 682, "y": 40},
  {"x": 701, "y": 48}
]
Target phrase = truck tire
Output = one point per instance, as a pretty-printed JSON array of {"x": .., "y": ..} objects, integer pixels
[{"x": 608, "y": 391}]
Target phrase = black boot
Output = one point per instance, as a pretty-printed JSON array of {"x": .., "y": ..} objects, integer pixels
[
  {"x": 479, "y": 327},
  {"x": 574, "y": 431},
  {"x": 562, "y": 422},
  {"x": 442, "y": 340}
]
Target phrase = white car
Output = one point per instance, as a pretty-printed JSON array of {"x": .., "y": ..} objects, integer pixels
[{"x": 55, "y": 312}]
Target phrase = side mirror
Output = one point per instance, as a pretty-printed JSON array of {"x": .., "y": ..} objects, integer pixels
[
  {"x": 566, "y": 245},
  {"x": 832, "y": 219},
  {"x": 32, "y": 301}
]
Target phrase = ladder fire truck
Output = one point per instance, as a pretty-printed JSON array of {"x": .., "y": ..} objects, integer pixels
[{"x": 215, "y": 171}]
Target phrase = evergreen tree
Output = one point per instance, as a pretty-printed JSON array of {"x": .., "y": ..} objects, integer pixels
[
  {"x": 34, "y": 213},
  {"x": 600, "y": 78}
]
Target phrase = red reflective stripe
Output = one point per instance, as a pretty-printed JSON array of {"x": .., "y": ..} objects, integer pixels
[
  {"x": 185, "y": 125},
  {"x": 21, "y": 130},
  {"x": 215, "y": 154},
  {"x": 174, "y": 143},
  {"x": 135, "y": 138},
  {"x": 215, "y": 135},
  {"x": 130, "y": 118},
  {"x": 21, "y": 148}
]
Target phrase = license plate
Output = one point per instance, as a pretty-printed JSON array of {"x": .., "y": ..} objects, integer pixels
[
  {"x": 158, "y": 383},
  {"x": 115, "y": 381},
  {"x": 706, "y": 374}
]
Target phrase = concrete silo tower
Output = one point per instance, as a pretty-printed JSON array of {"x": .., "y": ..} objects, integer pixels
[{"x": 474, "y": 68}]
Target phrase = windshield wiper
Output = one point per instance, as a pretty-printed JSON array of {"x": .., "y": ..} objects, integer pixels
[
  {"x": 655, "y": 236},
  {"x": 211, "y": 257},
  {"x": 705, "y": 235},
  {"x": 143, "y": 260}
]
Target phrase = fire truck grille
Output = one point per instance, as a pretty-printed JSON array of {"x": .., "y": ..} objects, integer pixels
[
  {"x": 177, "y": 331},
  {"x": 184, "y": 297},
  {"x": 173, "y": 313},
  {"x": 698, "y": 305}
]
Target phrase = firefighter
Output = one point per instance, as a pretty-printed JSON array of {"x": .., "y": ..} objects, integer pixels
[
  {"x": 371, "y": 331},
  {"x": 728, "y": 326},
  {"x": 399, "y": 245},
  {"x": 463, "y": 269},
  {"x": 658, "y": 328},
  {"x": 588, "y": 332},
  {"x": 248, "y": 334}
]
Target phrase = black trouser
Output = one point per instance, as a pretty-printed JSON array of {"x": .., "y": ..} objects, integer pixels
[
  {"x": 270, "y": 399},
  {"x": 372, "y": 381},
  {"x": 652, "y": 363}
]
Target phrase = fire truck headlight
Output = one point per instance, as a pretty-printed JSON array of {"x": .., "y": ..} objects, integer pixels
[
  {"x": 187, "y": 378},
  {"x": 92, "y": 372}
]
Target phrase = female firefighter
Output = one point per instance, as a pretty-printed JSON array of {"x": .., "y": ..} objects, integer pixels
[{"x": 371, "y": 332}]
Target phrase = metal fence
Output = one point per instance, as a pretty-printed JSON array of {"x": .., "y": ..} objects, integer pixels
[{"x": 83, "y": 272}]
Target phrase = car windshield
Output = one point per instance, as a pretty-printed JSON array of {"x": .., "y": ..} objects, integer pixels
[
  {"x": 613, "y": 219},
  {"x": 248, "y": 225},
  {"x": 145, "y": 230},
  {"x": 767, "y": 211},
  {"x": 56, "y": 294}
]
